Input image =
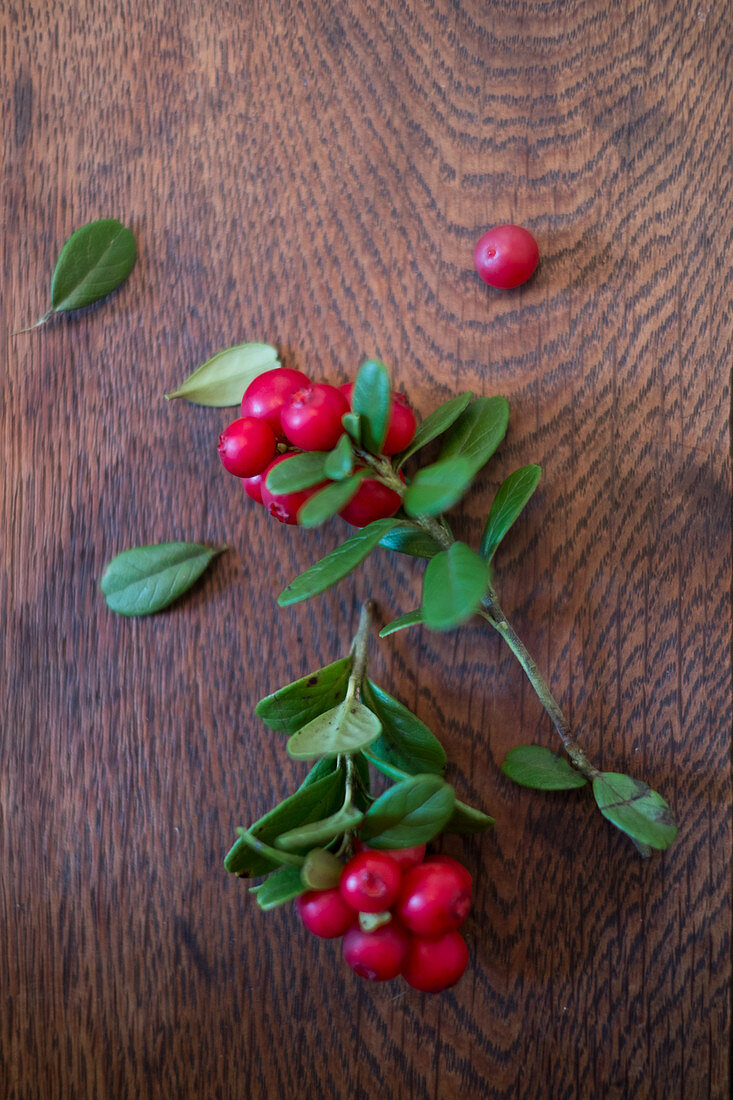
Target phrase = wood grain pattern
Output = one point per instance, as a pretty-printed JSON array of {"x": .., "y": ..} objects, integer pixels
[{"x": 315, "y": 175}]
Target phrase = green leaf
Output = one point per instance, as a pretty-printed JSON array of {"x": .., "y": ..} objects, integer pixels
[
  {"x": 435, "y": 424},
  {"x": 340, "y": 462},
  {"x": 437, "y": 488},
  {"x": 411, "y": 618},
  {"x": 352, "y": 426},
  {"x": 299, "y": 472},
  {"x": 95, "y": 260},
  {"x": 371, "y": 399},
  {"x": 540, "y": 768},
  {"x": 321, "y": 832},
  {"x": 346, "y": 728},
  {"x": 290, "y": 707},
  {"x": 336, "y": 565},
  {"x": 327, "y": 766},
  {"x": 406, "y": 538},
  {"x": 329, "y": 501},
  {"x": 509, "y": 503},
  {"x": 405, "y": 741},
  {"x": 412, "y": 812},
  {"x": 309, "y": 803},
  {"x": 478, "y": 431},
  {"x": 635, "y": 809},
  {"x": 220, "y": 382},
  {"x": 455, "y": 581},
  {"x": 146, "y": 579},
  {"x": 467, "y": 819},
  {"x": 278, "y": 888}
]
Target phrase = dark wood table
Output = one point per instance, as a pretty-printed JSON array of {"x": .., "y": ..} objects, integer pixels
[{"x": 315, "y": 175}]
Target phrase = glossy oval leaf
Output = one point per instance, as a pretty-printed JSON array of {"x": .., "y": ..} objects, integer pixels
[
  {"x": 467, "y": 819},
  {"x": 320, "y": 832},
  {"x": 635, "y": 809},
  {"x": 328, "y": 502},
  {"x": 291, "y": 707},
  {"x": 309, "y": 803},
  {"x": 336, "y": 565},
  {"x": 509, "y": 503},
  {"x": 406, "y": 538},
  {"x": 146, "y": 579},
  {"x": 220, "y": 382},
  {"x": 371, "y": 400},
  {"x": 279, "y": 887},
  {"x": 540, "y": 768},
  {"x": 340, "y": 462},
  {"x": 411, "y": 812},
  {"x": 352, "y": 427},
  {"x": 405, "y": 741},
  {"x": 302, "y": 471},
  {"x": 348, "y": 727},
  {"x": 437, "y": 488},
  {"x": 435, "y": 424},
  {"x": 454, "y": 583},
  {"x": 478, "y": 431},
  {"x": 95, "y": 260},
  {"x": 411, "y": 618}
]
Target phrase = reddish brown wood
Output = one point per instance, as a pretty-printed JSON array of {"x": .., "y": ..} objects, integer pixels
[{"x": 315, "y": 175}]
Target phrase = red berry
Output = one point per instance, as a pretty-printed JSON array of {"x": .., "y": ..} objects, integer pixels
[
  {"x": 506, "y": 256},
  {"x": 253, "y": 487},
  {"x": 246, "y": 446},
  {"x": 372, "y": 500},
  {"x": 435, "y": 897},
  {"x": 285, "y": 506},
  {"x": 406, "y": 857},
  {"x": 268, "y": 392},
  {"x": 325, "y": 913},
  {"x": 402, "y": 422},
  {"x": 434, "y": 964},
  {"x": 378, "y": 955},
  {"x": 311, "y": 419},
  {"x": 370, "y": 882}
]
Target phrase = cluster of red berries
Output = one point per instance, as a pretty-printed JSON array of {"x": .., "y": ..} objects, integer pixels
[
  {"x": 283, "y": 412},
  {"x": 398, "y": 913}
]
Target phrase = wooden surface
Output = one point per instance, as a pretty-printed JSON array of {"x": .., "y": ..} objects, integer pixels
[{"x": 315, "y": 175}]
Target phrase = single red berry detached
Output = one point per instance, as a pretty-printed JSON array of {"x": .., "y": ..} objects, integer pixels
[
  {"x": 370, "y": 882},
  {"x": 435, "y": 897},
  {"x": 285, "y": 506},
  {"x": 325, "y": 913},
  {"x": 506, "y": 256},
  {"x": 246, "y": 446},
  {"x": 433, "y": 965},
  {"x": 402, "y": 422},
  {"x": 379, "y": 955},
  {"x": 268, "y": 392},
  {"x": 311, "y": 419},
  {"x": 372, "y": 500}
]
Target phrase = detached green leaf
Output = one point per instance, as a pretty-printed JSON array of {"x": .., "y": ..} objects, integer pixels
[
  {"x": 411, "y": 618},
  {"x": 146, "y": 579},
  {"x": 348, "y": 727},
  {"x": 467, "y": 819},
  {"x": 299, "y": 472},
  {"x": 278, "y": 888},
  {"x": 220, "y": 382},
  {"x": 508, "y": 505},
  {"x": 309, "y": 803},
  {"x": 292, "y": 706},
  {"x": 478, "y": 431},
  {"x": 405, "y": 741},
  {"x": 371, "y": 400},
  {"x": 435, "y": 424},
  {"x": 635, "y": 809},
  {"x": 455, "y": 581},
  {"x": 340, "y": 462},
  {"x": 321, "y": 832},
  {"x": 412, "y": 812},
  {"x": 538, "y": 767},
  {"x": 352, "y": 426},
  {"x": 406, "y": 538},
  {"x": 95, "y": 260},
  {"x": 336, "y": 565},
  {"x": 437, "y": 488},
  {"x": 329, "y": 501}
]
